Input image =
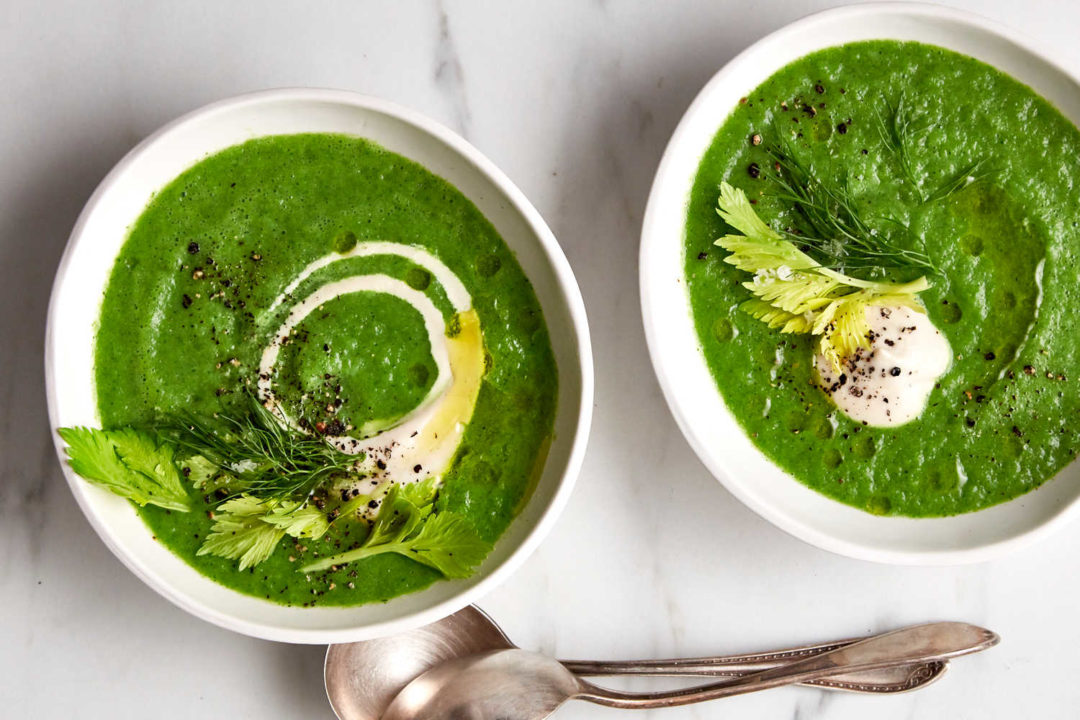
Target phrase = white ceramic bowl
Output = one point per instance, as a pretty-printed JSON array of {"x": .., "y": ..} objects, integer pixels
[
  {"x": 83, "y": 273},
  {"x": 680, "y": 365}
]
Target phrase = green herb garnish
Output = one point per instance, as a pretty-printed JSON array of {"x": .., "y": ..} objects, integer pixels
[
  {"x": 409, "y": 525},
  {"x": 248, "y": 529},
  {"x": 130, "y": 463},
  {"x": 797, "y": 294},
  {"x": 267, "y": 474},
  {"x": 836, "y": 232},
  {"x": 900, "y": 129},
  {"x": 265, "y": 457},
  {"x": 968, "y": 174}
]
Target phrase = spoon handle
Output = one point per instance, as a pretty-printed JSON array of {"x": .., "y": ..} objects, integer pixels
[
  {"x": 916, "y": 644},
  {"x": 901, "y": 678},
  {"x": 718, "y": 666}
]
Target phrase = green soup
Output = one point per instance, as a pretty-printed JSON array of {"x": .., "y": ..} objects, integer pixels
[
  {"x": 181, "y": 328},
  {"x": 1004, "y": 418}
]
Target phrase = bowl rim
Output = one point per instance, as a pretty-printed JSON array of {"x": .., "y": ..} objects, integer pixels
[
  {"x": 566, "y": 287},
  {"x": 649, "y": 282}
]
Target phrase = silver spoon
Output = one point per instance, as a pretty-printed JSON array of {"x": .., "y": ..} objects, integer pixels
[
  {"x": 363, "y": 678},
  {"x": 529, "y": 686}
]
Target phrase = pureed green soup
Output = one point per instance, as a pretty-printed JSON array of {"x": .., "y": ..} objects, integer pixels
[
  {"x": 184, "y": 324},
  {"x": 1004, "y": 418}
]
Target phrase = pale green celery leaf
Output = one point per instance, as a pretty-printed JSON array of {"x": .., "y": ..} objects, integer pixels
[
  {"x": 800, "y": 293},
  {"x": 751, "y": 254},
  {"x": 775, "y": 317},
  {"x": 200, "y": 470},
  {"x": 760, "y": 247},
  {"x": 397, "y": 519},
  {"x": 240, "y": 533},
  {"x": 128, "y": 463},
  {"x": 849, "y": 330},
  {"x": 736, "y": 211},
  {"x": 444, "y": 541},
  {"x": 144, "y": 454},
  {"x": 421, "y": 494},
  {"x": 449, "y": 543},
  {"x": 298, "y": 520}
]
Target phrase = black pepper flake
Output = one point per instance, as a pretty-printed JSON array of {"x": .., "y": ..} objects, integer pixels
[
  {"x": 819, "y": 88},
  {"x": 702, "y": 255},
  {"x": 754, "y": 170},
  {"x": 895, "y": 372},
  {"x": 1028, "y": 370},
  {"x": 990, "y": 356},
  {"x": 842, "y": 128},
  {"x": 193, "y": 248},
  {"x": 380, "y": 464},
  {"x": 416, "y": 468},
  {"x": 186, "y": 301},
  {"x": 1016, "y": 431},
  {"x": 970, "y": 422}
]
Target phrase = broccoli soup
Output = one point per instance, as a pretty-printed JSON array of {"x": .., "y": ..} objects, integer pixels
[
  {"x": 321, "y": 374},
  {"x": 881, "y": 259}
]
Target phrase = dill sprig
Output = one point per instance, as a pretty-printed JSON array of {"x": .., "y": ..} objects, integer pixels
[
  {"x": 837, "y": 234},
  {"x": 268, "y": 459},
  {"x": 899, "y": 126},
  {"x": 966, "y": 175}
]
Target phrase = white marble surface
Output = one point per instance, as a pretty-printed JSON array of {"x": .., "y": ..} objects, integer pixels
[{"x": 575, "y": 101}]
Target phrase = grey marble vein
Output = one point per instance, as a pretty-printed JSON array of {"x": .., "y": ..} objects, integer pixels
[{"x": 450, "y": 74}]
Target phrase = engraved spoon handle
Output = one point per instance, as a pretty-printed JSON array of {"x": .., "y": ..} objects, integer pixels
[
  {"x": 883, "y": 681},
  {"x": 719, "y": 665},
  {"x": 917, "y": 644}
]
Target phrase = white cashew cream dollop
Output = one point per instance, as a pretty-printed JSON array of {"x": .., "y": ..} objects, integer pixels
[{"x": 889, "y": 383}]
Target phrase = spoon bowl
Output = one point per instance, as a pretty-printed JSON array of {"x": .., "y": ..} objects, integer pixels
[
  {"x": 491, "y": 686},
  {"x": 363, "y": 678}
]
